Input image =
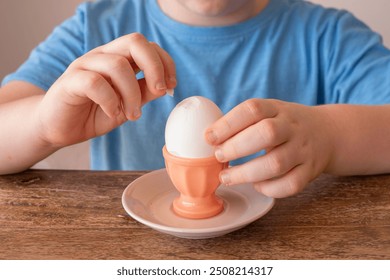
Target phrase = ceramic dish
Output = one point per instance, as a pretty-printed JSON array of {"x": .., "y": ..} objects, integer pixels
[{"x": 148, "y": 200}]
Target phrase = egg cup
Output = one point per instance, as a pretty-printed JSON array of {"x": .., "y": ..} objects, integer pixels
[{"x": 196, "y": 179}]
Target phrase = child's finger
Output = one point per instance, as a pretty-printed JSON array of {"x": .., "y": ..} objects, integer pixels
[
  {"x": 239, "y": 118},
  {"x": 265, "y": 134},
  {"x": 146, "y": 95},
  {"x": 136, "y": 48},
  {"x": 276, "y": 163},
  {"x": 169, "y": 66},
  {"x": 290, "y": 184},
  {"x": 118, "y": 72},
  {"x": 91, "y": 85}
]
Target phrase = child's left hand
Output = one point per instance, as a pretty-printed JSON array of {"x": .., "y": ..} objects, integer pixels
[{"x": 297, "y": 140}]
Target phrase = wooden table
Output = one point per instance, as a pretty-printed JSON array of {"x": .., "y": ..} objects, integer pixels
[{"x": 78, "y": 215}]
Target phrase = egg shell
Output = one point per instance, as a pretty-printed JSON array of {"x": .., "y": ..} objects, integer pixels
[{"x": 186, "y": 125}]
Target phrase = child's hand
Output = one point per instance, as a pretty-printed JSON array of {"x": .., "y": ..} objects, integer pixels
[
  {"x": 99, "y": 91},
  {"x": 296, "y": 139}
]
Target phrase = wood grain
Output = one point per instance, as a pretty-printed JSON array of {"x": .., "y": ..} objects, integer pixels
[{"x": 78, "y": 215}]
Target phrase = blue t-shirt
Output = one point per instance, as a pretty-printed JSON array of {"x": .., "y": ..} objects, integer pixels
[{"x": 293, "y": 51}]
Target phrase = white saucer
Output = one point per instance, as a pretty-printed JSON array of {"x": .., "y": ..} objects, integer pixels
[{"x": 148, "y": 200}]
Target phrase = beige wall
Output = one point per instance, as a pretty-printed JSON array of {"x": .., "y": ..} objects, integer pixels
[{"x": 24, "y": 23}]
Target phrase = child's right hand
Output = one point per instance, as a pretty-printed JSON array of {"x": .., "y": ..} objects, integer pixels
[{"x": 99, "y": 91}]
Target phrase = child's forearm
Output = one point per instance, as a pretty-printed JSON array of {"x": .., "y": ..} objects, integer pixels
[
  {"x": 20, "y": 143},
  {"x": 361, "y": 139}
]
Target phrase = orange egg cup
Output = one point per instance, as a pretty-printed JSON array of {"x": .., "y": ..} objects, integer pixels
[{"x": 196, "y": 179}]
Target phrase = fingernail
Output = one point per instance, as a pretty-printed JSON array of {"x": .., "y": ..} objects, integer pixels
[
  {"x": 225, "y": 178},
  {"x": 137, "y": 113},
  {"x": 211, "y": 136},
  {"x": 219, "y": 155},
  {"x": 161, "y": 86},
  {"x": 172, "y": 80}
]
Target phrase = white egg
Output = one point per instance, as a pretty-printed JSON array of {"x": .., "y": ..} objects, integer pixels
[{"x": 186, "y": 125}]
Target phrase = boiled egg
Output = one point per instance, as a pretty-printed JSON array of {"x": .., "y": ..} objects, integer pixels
[{"x": 186, "y": 126}]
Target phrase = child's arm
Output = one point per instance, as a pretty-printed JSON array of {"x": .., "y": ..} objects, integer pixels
[
  {"x": 361, "y": 139},
  {"x": 98, "y": 92},
  {"x": 301, "y": 143},
  {"x": 20, "y": 145}
]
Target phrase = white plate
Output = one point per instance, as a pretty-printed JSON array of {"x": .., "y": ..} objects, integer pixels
[{"x": 148, "y": 200}]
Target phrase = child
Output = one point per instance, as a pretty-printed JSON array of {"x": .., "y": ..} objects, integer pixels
[{"x": 82, "y": 83}]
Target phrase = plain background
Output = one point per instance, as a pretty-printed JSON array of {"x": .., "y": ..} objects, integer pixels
[{"x": 25, "y": 23}]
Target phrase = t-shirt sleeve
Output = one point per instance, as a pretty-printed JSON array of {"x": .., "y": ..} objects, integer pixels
[
  {"x": 357, "y": 63},
  {"x": 50, "y": 59}
]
